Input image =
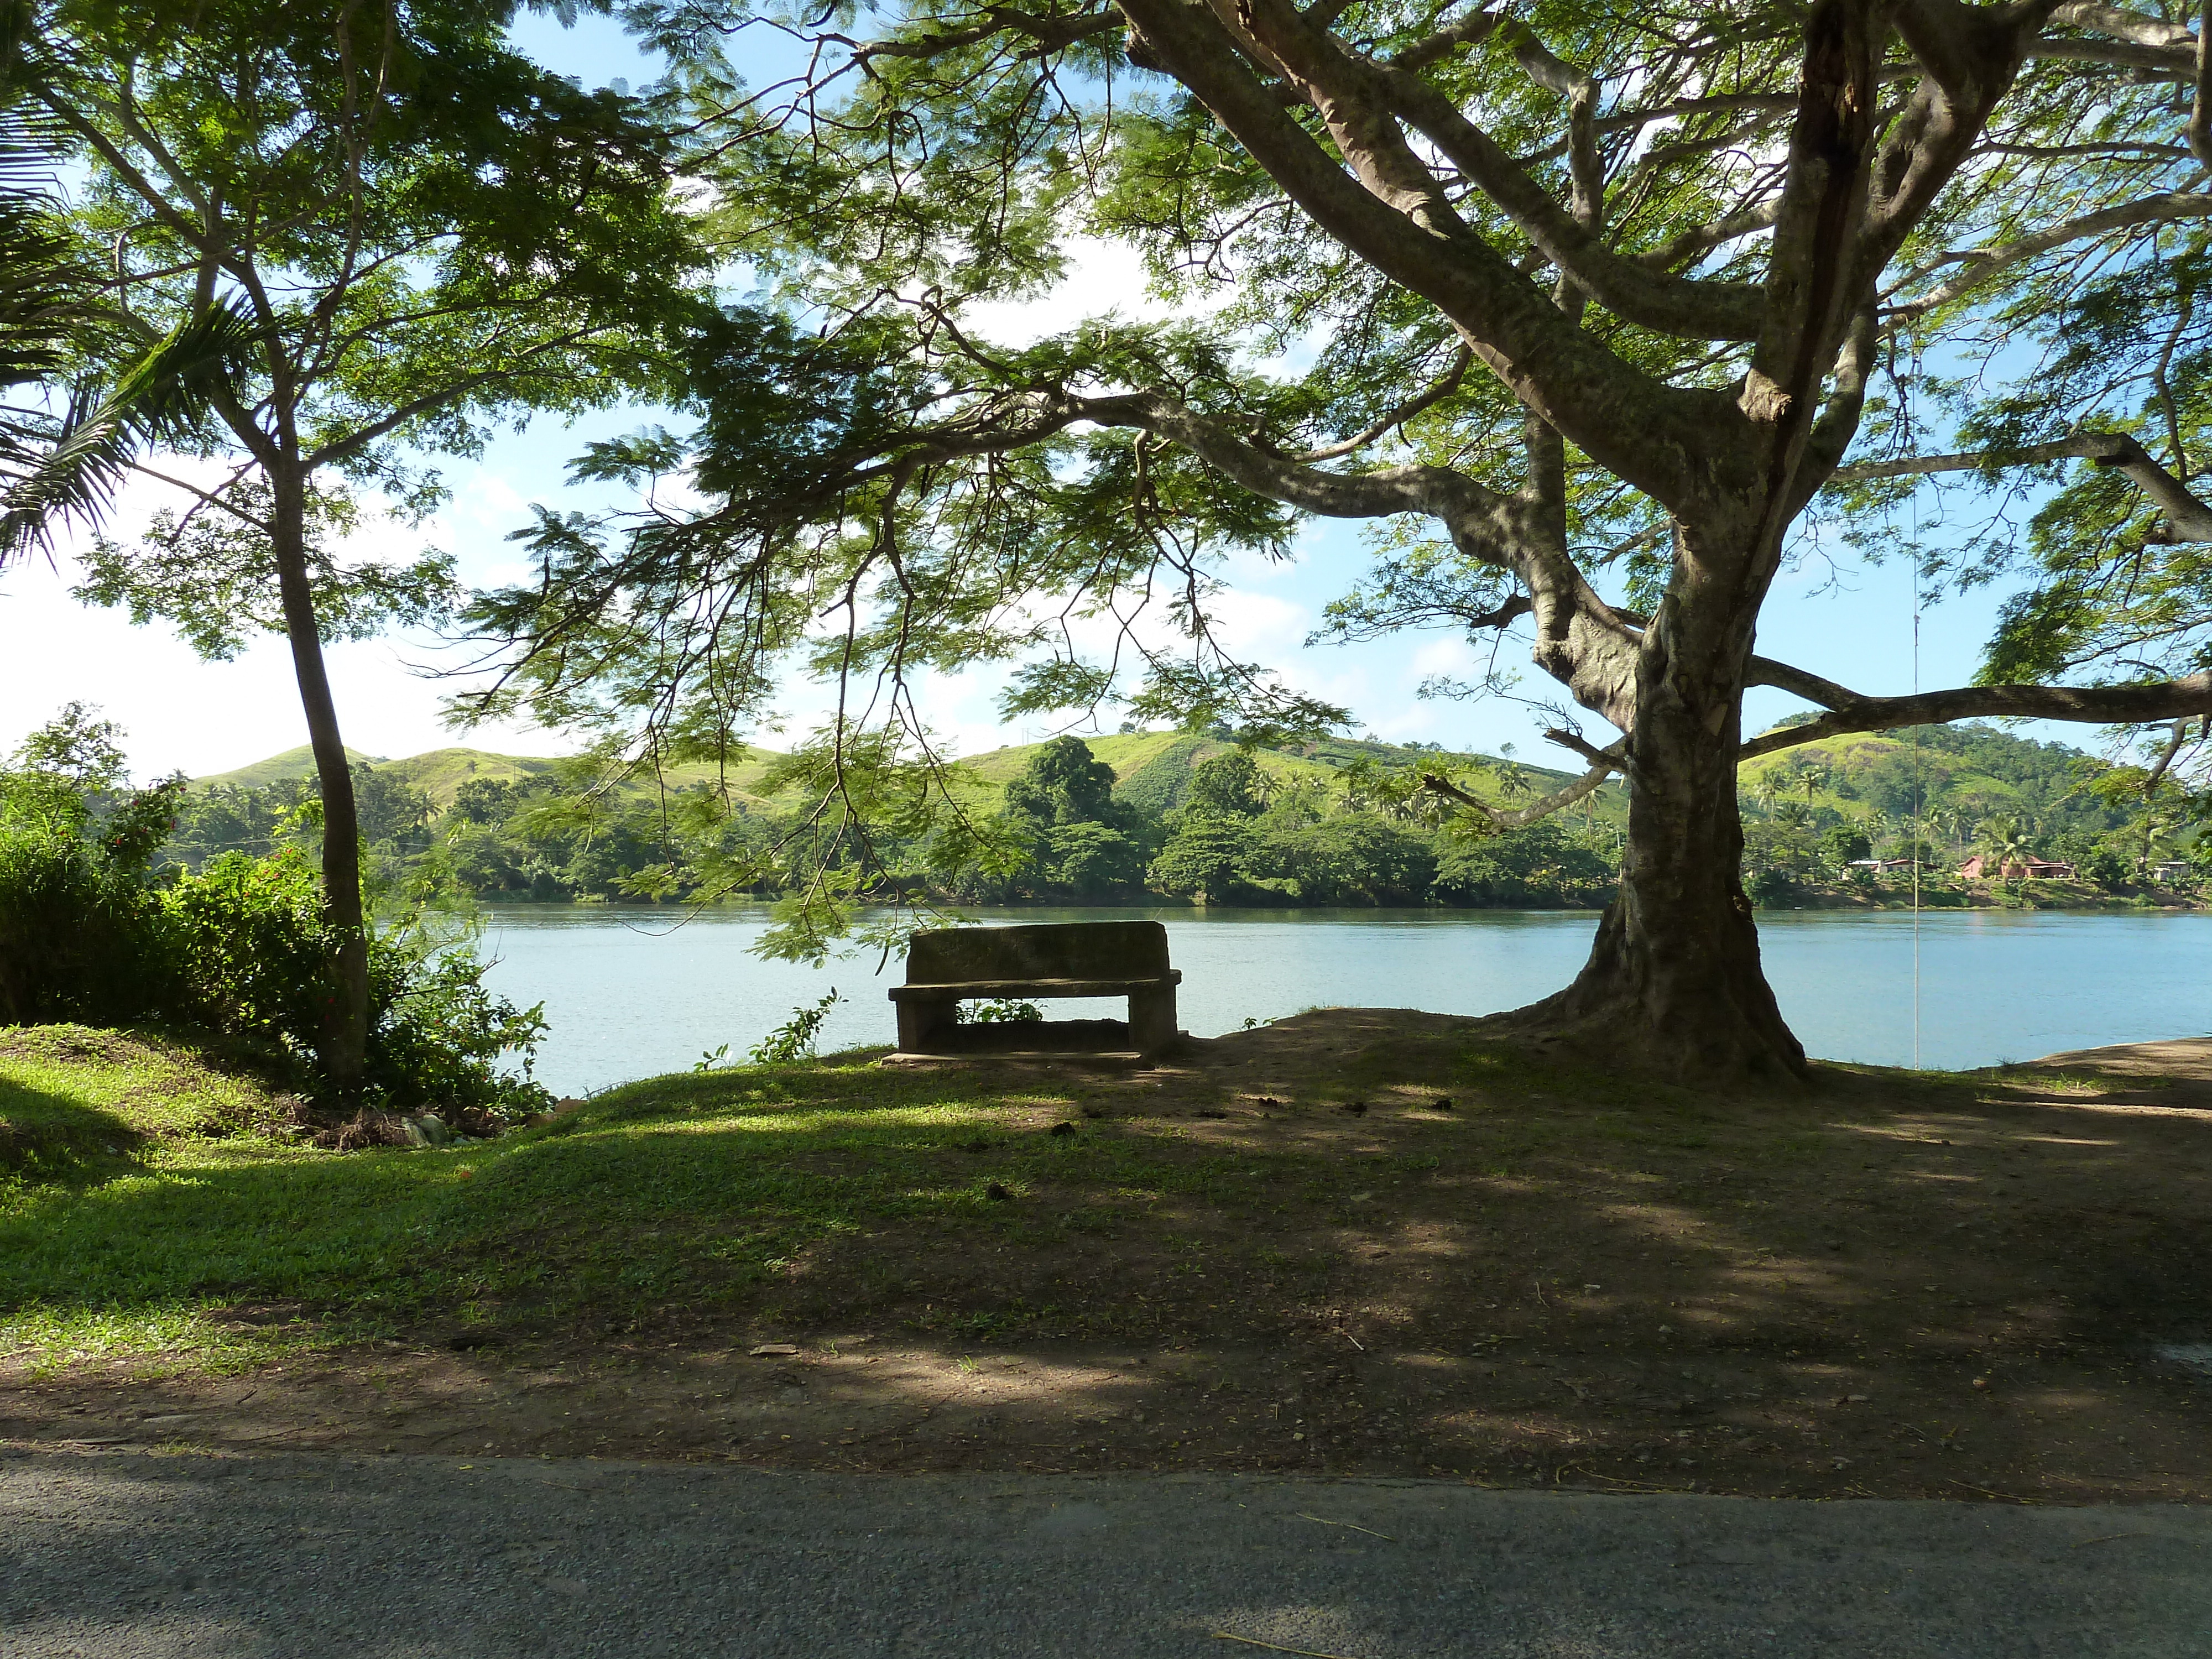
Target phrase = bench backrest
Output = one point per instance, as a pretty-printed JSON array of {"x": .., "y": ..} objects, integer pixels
[{"x": 1060, "y": 950}]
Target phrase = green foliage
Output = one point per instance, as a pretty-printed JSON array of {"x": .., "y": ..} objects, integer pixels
[
  {"x": 1208, "y": 856},
  {"x": 81, "y": 936},
  {"x": 1063, "y": 783},
  {"x": 1083, "y": 844},
  {"x": 1352, "y": 859},
  {"x": 214, "y": 574},
  {"x": 239, "y": 949},
  {"x": 1541, "y": 864},
  {"x": 1842, "y": 844},
  {"x": 1227, "y": 785},
  {"x": 1000, "y": 1010},
  {"x": 794, "y": 1039}
]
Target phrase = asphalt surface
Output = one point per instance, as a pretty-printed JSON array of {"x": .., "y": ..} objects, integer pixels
[{"x": 115, "y": 1554}]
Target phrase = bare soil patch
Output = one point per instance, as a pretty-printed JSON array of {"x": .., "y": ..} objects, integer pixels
[{"x": 1465, "y": 1261}]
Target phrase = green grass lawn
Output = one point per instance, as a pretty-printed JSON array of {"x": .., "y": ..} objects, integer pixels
[{"x": 685, "y": 1191}]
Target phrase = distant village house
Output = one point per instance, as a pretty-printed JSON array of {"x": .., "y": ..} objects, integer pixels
[{"x": 1980, "y": 868}]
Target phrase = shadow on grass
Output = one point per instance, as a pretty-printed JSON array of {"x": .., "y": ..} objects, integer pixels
[
  {"x": 1391, "y": 1237},
  {"x": 49, "y": 1137}
]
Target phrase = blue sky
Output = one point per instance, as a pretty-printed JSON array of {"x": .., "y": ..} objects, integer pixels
[{"x": 1853, "y": 625}]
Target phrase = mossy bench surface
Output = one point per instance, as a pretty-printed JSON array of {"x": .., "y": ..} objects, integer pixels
[{"x": 1064, "y": 958}]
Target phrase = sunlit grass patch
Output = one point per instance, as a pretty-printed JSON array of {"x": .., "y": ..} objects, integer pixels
[
  {"x": 159, "y": 1340},
  {"x": 74, "y": 1095}
]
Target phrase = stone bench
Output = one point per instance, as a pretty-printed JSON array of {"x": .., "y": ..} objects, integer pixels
[{"x": 952, "y": 965}]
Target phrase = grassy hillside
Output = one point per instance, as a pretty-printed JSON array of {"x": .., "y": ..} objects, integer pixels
[
  {"x": 1977, "y": 772},
  {"x": 292, "y": 763},
  {"x": 439, "y": 772},
  {"x": 1151, "y": 768}
]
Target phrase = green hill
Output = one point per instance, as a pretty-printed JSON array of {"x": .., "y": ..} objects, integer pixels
[
  {"x": 277, "y": 769},
  {"x": 1978, "y": 771},
  {"x": 1972, "y": 772},
  {"x": 439, "y": 772},
  {"x": 1152, "y": 769}
]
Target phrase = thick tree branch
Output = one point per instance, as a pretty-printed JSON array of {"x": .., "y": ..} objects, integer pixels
[
  {"x": 1764, "y": 671},
  {"x": 1049, "y": 33},
  {"x": 1470, "y": 31},
  {"x": 1983, "y": 263},
  {"x": 2102, "y": 705},
  {"x": 2187, "y": 519},
  {"x": 1629, "y": 287},
  {"x": 1687, "y": 244},
  {"x": 1644, "y": 431},
  {"x": 2121, "y": 24}
]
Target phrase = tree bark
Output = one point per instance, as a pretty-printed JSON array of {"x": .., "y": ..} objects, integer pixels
[
  {"x": 342, "y": 1042},
  {"x": 1674, "y": 983}
]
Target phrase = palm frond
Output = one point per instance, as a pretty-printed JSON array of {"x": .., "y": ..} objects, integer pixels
[{"x": 164, "y": 397}]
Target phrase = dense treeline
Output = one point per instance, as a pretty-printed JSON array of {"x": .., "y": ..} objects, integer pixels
[
  {"x": 1205, "y": 821},
  {"x": 1222, "y": 831}
]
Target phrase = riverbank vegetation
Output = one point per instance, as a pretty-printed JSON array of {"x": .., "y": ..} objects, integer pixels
[
  {"x": 234, "y": 954},
  {"x": 1352, "y": 1242},
  {"x": 1185, "y": 816}
]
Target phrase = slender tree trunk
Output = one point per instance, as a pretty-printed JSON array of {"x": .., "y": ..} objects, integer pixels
[
  {"x": 342, "y": 1043},
  {"x": 1674, "y": 983}
]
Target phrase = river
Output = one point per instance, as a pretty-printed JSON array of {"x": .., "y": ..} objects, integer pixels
[{"x": 631, "y": 991}]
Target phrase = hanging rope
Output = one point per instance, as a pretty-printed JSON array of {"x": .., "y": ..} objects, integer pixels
[{"x": 1919, "y": 801}]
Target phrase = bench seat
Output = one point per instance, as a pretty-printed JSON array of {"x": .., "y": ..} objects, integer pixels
[
  {"x": 946, "y": 967},
  {"x": 965, "y": 990}
]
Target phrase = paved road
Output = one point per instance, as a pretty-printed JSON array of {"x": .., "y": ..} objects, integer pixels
[{"x": 104, "y": 1556}]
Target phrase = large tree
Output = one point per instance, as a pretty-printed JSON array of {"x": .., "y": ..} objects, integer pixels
[
  {"x": 1599, "y": 301},
  {"x": 421, "y": 232}
]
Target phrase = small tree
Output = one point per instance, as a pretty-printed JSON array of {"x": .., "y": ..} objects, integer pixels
[
  {"x": 1228, "y": 786},
  {"x": 420, "y": 231}
]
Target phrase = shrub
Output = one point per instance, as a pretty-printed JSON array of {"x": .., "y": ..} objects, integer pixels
[
  {"x": 238, "y": 951},
  {"x": 255, "y": 954},
  {"x": 79, "y": 940},
  {"x": 81, "y": 936}
]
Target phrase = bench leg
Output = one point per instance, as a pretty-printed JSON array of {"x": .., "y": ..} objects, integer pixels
[
  {"x": 1152, "y": 1020},
  {"x": 918, "y": 1022}
]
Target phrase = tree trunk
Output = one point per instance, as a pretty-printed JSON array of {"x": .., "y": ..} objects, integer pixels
[
  {"x": 342, "y": 1043},
  {"x": 1674, "y": 983}
]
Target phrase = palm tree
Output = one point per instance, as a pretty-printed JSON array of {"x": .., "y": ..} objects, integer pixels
[
  {"x": 58, "y": 466},
  {"x": 2160, "y": 825},
  {"x": 2008, "y": 843}
]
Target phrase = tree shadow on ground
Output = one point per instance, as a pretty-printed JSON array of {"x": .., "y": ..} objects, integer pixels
[{"x": 1353, "y": 1242}]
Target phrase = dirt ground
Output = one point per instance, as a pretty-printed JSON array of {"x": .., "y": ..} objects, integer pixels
[{"x": 1983, "y": 1288}]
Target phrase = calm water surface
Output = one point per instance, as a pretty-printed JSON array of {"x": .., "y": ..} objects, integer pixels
[{"x": 631, "y": 993}]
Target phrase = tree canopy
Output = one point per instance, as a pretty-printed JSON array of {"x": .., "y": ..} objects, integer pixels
[{"x": 1597, "y": 314}]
